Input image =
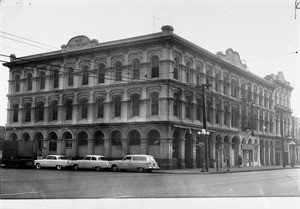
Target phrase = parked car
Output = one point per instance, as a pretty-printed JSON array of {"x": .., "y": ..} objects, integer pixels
[
  {"x": 52, "y": 161},
  {"x": 96, "y": 162},
  {"x": 138, "y": 163}
]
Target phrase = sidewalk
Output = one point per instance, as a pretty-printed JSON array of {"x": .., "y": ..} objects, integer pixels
[{"x": 224, "y": 170}]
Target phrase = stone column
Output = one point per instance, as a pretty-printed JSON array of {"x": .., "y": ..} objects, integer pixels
[
  {"x": 182, "y": 154},
  {"x": 107, "y": 147},
  {"x": 59, "y": 149},
  {"x": 90, "y": 146},
  {"x": 124, "y": 147},
  {"x": 143, "y": 146}
]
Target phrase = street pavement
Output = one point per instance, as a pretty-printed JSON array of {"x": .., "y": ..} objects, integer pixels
[{"x": 234, "y": 169}]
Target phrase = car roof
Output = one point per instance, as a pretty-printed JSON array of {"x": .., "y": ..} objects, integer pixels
[
  {"x": 94, "y": 156},
  {"x": 57, "y": 155},
  {"x": 139, "y": 155}
]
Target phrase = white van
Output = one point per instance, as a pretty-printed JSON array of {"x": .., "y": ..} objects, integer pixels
[{"x": 140, "y": 163}]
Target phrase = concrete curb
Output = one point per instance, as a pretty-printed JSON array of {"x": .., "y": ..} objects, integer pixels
[{"x": 198, "y": 171}]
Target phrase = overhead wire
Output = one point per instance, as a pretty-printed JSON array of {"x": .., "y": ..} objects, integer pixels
[{"x": 28, "y": 39}]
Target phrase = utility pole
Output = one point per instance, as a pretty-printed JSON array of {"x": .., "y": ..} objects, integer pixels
[
  {"x": 282, "y": 135},
  {"x": 205, "y": 132}
]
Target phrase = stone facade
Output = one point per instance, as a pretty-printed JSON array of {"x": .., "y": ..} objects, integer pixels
[{"x": 141, "y": 95}]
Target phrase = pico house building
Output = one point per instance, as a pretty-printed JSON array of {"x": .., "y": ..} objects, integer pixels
[{"x": 141, "y": 95}]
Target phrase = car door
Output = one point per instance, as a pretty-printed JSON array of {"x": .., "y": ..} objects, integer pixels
[
  {"x": 47, "y": 162},
  {"x": 126, "y": 163},
  {"x": 85, "y": 162},
  {"x": 93, "y": 163}
]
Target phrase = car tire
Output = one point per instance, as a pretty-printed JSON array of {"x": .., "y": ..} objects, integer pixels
[
  {"x": 98, "y": 168},
  {"x": 58, "y": 167},
  {"x": 38, "y": 166},
  {"x": 75, "y": 167},
  {"x": 141, "y": 170},
  {"x": 114, "y": 168}
]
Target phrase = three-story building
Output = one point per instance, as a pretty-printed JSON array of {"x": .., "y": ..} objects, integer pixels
[{"x": 141, "y": 95}]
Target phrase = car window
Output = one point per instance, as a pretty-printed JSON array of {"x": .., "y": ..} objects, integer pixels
[
  {"x": 49, "y": 157},
  {"x": 93, "y": 158},
  {"x": 62, "y": 158},
  {"x": 127, "y": 158},
  {"x": 87, "y": 158},
  {"x": 54, "y": 158},
  {"x": 135, "y": 158},
  {"x": 143, "y": 159}
]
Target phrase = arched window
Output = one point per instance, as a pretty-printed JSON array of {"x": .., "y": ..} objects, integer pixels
[
  {"x": 42, "y": 80},
  {"x": 85, "y": 75},
  {"x": 15, "y": 113},
  {"x": 226, "y": 84},
  {"x": 188, "y": 107},
  {"x": 100, "y": 107},
  {"x": 208, "y": 76},
  {"x": 188, "y": 66},
  {"x": 40, "y": 111},
  {"x": 84, "y": 109},
  {"x": 135, "y": 104},
  {"x": 154, "y": 103},
  {"x": 134, "y": 138},
  {"x": 136, "y": 69},
  {"x": 176, "y": 68},
  {"x": 209, "y": 111},
  {"x": 176, "y": 103},
  {"x": 234, "y": 117},
  {"x": 29, "y": 81},
  {"x": 55, "y": 78},
  {"x": 70, "y": 76},
  {"x": 154, "y": 67},
  {"x": 218, "y": 81},
  {"x": 25, "y": 137},
  {"x": 101, "y": 73},
  {"x": 117, "y": 106},
  {"x": 69, "y": 109},
  {"x": 218, "y": 114},
  {"x": 116, "y": 138},
  {"x": 27, "y": 112},
  {"x": 67, "y": 136},
  {"x": 153, "y": 138},
  {"x": 82, "y": 138},
  {"x": 226, "y": 114},
  {"x": 17, "y": 83},
  {"x": 199, "y": 110},
  {"x": 52, "y": 141},
  {"x": 234, "y": 88},
  {"x": 98, "y": 138},
  {"x": 54, "y": 110},
  {"x": 118, "y": 66}
]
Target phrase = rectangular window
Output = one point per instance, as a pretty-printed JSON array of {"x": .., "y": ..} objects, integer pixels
[{"x": 52, "y": 146}]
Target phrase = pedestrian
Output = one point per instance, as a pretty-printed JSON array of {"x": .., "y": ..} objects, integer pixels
[
  {"x": 240, "y": 161},
  {"x": 228, "y": 162}
]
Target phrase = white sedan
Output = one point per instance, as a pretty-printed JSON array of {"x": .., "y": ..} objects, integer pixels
[
  {"x": 52, "y": 161},
  {"x": 95, "y": 162}
]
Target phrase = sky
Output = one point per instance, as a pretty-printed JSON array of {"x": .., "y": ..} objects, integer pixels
[{"x": 265, "y": 33}]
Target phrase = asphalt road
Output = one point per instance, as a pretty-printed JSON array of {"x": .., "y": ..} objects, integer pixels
[{"x": 66, "y": 184}]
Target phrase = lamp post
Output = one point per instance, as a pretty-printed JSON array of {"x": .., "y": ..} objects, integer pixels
[
  {"x": 292, "y": 145},
  {"x": 205, "y": 132}
]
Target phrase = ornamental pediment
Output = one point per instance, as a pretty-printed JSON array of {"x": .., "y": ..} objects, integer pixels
[
  {"x": 79, "y": 43},
  {"x": 233, "y": 58}
]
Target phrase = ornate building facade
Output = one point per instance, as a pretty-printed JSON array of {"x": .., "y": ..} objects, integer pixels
[{"x": 141, "y": 95}]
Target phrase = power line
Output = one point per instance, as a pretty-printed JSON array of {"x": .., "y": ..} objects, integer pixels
[
  {"x": 278, "y": 55},
  {"x": 24, "y": 43},
  {"x": 28, "y": 39}
]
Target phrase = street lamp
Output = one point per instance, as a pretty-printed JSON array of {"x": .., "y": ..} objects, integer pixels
[
  {"x": 205, "y": 133},
  {"x": 204, "y": 87},
  {"x": 292, "y": 145}
]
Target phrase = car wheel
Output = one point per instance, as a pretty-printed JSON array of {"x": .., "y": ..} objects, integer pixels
[
  {"x": 114, "y": 168},
  {"x": 58, "y": 167},
  {"x": 141, "y": 170},
  {"x": 76, "y": 167},
  {"x": 38, "y": 166},
  {"x": 98, "y": 168}
]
